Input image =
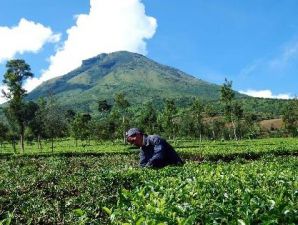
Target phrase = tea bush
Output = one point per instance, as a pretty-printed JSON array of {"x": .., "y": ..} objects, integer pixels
[{"x": 221, "y": 183}]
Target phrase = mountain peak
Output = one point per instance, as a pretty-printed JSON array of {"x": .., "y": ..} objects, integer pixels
[
  {"x": 119, "y": 56},
  {"x": 133, "y": 74}
]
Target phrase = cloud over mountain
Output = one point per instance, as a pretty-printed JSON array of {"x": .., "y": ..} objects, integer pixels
[{"x": 111, "y": 25}]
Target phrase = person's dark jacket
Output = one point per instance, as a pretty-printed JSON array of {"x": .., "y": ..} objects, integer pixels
[{"x": 157, "y": 152}]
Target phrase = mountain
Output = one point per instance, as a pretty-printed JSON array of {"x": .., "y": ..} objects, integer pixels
[{"x": 138, "y": 77}]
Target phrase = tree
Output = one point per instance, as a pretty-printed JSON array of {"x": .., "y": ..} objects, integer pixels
[
  {"x": 70, "y": 115},
  {"x": 197, "y": 115},
  {"x": 26, "y": 113},
  {"x": 167, "y": 118},
  {"x": 3, "y": 133},
  {"x": 54, "y": 120},
  {"x": 69, "y": 118},
  {"x": 237, "y": 115},
  {"x": 17, "y": 72},
  {"x": 37, "y": 124},
  {"x": 81, "y": 127},
  {"x": 148, "y": 118},
  {"x": 252, "y": 129},
  {"x": 233, "y": 111},
  {"x": 186, "y": 128},
  {"x": 103, "y": 106},
  {"x": 121, "y": 105},
  {"x": 104, "y": 129},
  {"x": 211, "y": 113},
  {"x": 290, "y": 117}
]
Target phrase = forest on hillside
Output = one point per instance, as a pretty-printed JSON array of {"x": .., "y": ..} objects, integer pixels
[{"x": 228, "y": 119}]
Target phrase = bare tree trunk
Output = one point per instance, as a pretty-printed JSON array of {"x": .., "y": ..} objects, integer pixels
[
  {"x": 13, "y": 142},
  {"x": 213, "y": 134},
  {"x": 234, "y": 130},
  {"x": 52, "y": 139},
  {"x": 124, "y": 136},
  {"x": 22, "y": 143},
  {"x": 38, "y": 147},
  {"x": 39, "y": 142}
]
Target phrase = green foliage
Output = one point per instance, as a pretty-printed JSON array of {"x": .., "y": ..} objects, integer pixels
[
  {"x": 227, "y": 94},
  {"x": 54, "y": 121},
  {"x": 290, "y": 117},
  {"x": 121, "y": 109},
  {"x": 148, "y": 118},
  {"x": 52, "y": 190},
  {"x": 252, "y": 182},
  {"x": 3, "y": 132},
  {"x": 18, "y": 112},
  {"x": 213, "y": 194},
  {"x": 121, "y": 103},
  {"x": 167, "y": 118},
  {"x": 104, "y": 106},
  {"x": 17, "y": 71},
  {"x": 196, "y": 111},
  {"x": 81, "y": 126},
  {"x": 232, "y": 110},
  {"x": 70, "y": 115}
]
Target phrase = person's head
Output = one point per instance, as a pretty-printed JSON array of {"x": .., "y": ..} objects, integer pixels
[{"x": 135, "y": 136}]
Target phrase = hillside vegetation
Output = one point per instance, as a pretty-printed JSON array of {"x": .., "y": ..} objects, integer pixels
[
  {"x": 141, "y": 80},
  {"x": 138, "y": 77}
]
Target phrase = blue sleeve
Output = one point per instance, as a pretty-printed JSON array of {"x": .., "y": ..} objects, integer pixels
[
  {"x": 158, "y": 156},
  {"x": 143, "y": 158}
]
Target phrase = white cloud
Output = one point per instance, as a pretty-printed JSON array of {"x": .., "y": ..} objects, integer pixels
[
  {"x": 111, "y": 25},
  {"x": 277, "y": 65},
  {"x": 252, "y": 68},
  {"x": 266, "y": 94},
  {"x": 28, "y": 36},
  {"x": 289, "y": 53}
]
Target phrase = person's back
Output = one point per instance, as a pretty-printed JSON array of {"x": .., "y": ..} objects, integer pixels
[{"x": 157, "y": 152}]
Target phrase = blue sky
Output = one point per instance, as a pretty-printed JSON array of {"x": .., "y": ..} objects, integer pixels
[{"x": 253, "y": 43}]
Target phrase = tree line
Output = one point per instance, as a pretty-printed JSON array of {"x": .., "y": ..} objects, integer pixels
[{"x": 48, "y": 120}]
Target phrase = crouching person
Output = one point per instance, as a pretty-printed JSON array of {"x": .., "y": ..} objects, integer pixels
[{"x": 155, "y": 151}]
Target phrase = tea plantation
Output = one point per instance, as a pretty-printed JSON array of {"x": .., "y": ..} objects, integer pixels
[{"x": 245, "y": 182}]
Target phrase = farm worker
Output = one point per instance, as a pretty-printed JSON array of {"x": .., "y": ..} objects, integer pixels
[{"x": 155, "y": 151}]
